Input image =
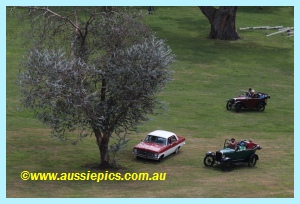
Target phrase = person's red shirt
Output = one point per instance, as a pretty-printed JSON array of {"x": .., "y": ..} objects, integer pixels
[{"x": 251, "y": 145}]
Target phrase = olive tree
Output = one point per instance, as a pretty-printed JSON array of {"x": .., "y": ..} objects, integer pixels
[{"x": 92, "y": 71}]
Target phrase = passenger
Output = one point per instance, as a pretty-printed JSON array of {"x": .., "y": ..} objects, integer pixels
[
  {"x": 251, "y": 144},
  {"x": 242, "y": 145},
  {"x": 232, "y": 144}
]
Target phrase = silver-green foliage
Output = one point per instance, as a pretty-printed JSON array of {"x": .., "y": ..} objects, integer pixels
[
  {"x": 66, "y": 93},
  {"x": 108, "y": 84}
]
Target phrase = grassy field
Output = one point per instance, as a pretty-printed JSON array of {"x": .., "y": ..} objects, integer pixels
[{"x": 207, "y": 72}]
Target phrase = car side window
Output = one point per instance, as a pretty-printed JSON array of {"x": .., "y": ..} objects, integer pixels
[{"x": 173, "y": 139}]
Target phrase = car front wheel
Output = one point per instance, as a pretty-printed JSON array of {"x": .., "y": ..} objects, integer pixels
[
  {"x": 209, "y": 160},
  {"x": 228, "y": 105},
  {"x": 160, "y": 158}
]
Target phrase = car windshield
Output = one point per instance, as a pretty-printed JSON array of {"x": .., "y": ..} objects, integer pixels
[
  {"x": 243, "y": 93},
  {"x": 155, "y": 139}
]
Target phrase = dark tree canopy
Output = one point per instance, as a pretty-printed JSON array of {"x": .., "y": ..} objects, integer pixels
[
  {"x": 93, "y": 71},
  {"x": 222, "y": 21}
]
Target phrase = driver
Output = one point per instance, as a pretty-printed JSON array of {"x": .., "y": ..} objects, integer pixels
[
  {"x": 250, "y": 92},
  {"x": 232, "y": 144}
]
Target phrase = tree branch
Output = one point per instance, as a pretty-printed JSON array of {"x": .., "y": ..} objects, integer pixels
[
  {"x": 209, "y": 12},
  {"x": 46, "y": 9}
]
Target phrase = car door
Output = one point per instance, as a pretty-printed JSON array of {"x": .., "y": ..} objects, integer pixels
[
  {"x": 247, "y": 102},
  {"x": 252, "y": 102},
  {"x": 171, "y": 145},
  {"x": 241, "y": 155}
]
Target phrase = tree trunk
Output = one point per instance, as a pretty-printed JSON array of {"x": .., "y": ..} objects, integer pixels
[
  {"x": 107, "y": 9},
  {"x": 222, "y": 22},
  {"x": 102, "y": 142}
]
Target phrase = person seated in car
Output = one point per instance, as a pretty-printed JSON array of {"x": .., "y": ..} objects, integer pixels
[
  {"x": 251, "y": 92},
  {"x": 250, "y": 144},
  {"x": 242, "y": 145},
  {"x": 232, "y": 144}
]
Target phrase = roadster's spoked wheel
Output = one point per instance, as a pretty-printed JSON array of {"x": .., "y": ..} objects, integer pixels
[
  {"x": 209, "y": 160},
  {"x": 252, "y": 161},
  {"x": 261, "y": 106},
  {"x": 228, "y": 105},
  {"x": 227, "y": 165}
]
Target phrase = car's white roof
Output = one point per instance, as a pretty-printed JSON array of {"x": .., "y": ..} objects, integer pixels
[{"x": 162, "y": 133}]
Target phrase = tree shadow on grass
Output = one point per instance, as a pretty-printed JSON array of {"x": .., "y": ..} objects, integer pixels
[
  {"x": 247, "y": 111},
  {"x": 236, "y": 167},
  {"x": 97, "y": 166},
  {"x": 155, "y": 162}
]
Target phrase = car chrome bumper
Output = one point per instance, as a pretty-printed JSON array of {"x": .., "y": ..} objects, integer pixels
[{"x": 146, "y": 156}]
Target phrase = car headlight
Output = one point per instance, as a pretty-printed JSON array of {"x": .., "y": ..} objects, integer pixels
[
  {"x": 223, "y": 156},
  {"x": 135, "y": 151},
  {"x": 155, "y": 154}
]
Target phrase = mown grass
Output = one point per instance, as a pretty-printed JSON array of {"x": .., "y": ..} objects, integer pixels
[{"x": 207, "y": 72}]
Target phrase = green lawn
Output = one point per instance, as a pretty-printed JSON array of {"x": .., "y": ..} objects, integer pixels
[{"x": 207, "y": 72}]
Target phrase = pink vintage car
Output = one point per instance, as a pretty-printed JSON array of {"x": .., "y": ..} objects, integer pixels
[{"x": 159, "y": 144}]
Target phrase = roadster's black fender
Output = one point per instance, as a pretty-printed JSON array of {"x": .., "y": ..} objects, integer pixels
[
  {"x": 226, "y": 159},
  {"x": 210, "y": 153},
  {"x": 239, "y": 102},
  {"x": 254, "y": 155}
]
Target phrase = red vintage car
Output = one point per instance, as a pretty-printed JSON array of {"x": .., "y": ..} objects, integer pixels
[
  {"x": 158, "y": 145},
  {"x": 256, "y": 101}
]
